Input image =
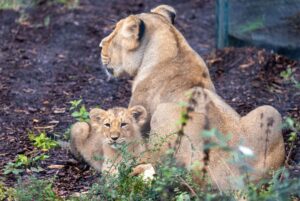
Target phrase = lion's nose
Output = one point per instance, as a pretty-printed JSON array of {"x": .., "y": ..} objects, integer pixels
[
  {"x": 114, "y": 137},
  {"x": 101, "y": 43}
]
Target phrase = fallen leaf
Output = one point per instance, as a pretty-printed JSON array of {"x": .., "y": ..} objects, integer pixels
[
  {"x": 56, "y": 166},
  {"x": 35, "y": 120},
  {"x": 59, "y": 110},
  {"x": 53, "y": 122},
  {"x": 247, "y": 65}
]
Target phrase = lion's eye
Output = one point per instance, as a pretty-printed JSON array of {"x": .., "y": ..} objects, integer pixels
[
  {"x": 107, "y": 125},
  {"x": 123, "y": 124}
]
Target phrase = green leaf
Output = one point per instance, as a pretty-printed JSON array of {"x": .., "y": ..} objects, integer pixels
[
  {"x": 47, "y": 21},
  {"x": 22, "y": 160},
  {"x": 36, "y": 169},
  {"x": 17, "y": 171},
  {"x": 75, "y": 104},
  {"x": 43, "y": 142},
  {"x": 293, "y": 137},
  {"x": 7, "y": 171},
  {"x": 290, "y": 122}
]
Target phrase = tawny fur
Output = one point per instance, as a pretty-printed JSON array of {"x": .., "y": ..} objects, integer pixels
[
  {"x": 148, "y": 47},
  {"x": 94, "y": 141},
  {"x": 259, "y": 130},
  {"x": 164, "y": 66}
]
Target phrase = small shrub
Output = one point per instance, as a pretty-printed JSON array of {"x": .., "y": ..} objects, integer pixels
[
  {"x": 22, "y": 162},
  {"x": 288, "y": 75},
  {"x": 79, "y": 111},
  {"x": 15, "y": 4},
  {"x": 41, "y": 141},
  {"x": 6, "y": 193},
  {"x": 18, "y": 166},
  {"x": 35, "y": 189}
]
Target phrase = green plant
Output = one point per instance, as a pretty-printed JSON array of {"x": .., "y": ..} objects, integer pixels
[
  {"x": 15, "y": 4},
  {"x": 275, "y": 188},
  {"x": 79, "y": 111},
  {"x": 6, "y": 193},
  {"x": 35, "y": 189},
  {"x": 18, "y": 4},
  {"x": 67, "y": 134},
  {"x": 22, "y": 162},
  {"x": 18, "y": 166},
  {"x": 41, "y": 141},
  {"x": 288, "y": 75},
  {"x": 294, "y": 127},
  {"x": 81, "y": 114}
]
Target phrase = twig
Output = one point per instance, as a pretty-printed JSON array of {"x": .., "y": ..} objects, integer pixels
[
  {"x": 287, "y": 159},
  {"x": 212, "y": 176},
  {"x": 188, "y": 186},
  {"x": 289, "y": 154}
]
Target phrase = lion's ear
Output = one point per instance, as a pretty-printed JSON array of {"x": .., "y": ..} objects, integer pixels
[
  {"x": 167, "y": 11},
  {"x": 132, "y": 31},
  {"x": 96, "y": 114},
  {"x": 139, "y": 113}
]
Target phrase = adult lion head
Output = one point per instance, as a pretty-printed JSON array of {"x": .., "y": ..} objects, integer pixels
[{"x": 138, "y": 40}]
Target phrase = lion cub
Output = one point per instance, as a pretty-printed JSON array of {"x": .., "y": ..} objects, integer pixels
[{"x": 99, "y": 141}]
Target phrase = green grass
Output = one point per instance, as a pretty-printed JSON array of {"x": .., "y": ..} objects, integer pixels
[
  {"x": 18, "y": 4},
  {"x": 14, "y": 4}
]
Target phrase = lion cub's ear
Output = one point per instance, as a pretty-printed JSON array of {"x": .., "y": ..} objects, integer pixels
[
  {"x": 96, "y": 114},
  {"x": 132, "y": 31},
  {"x": 167, "y": 11},
  {"x": 139, "y": 113}
]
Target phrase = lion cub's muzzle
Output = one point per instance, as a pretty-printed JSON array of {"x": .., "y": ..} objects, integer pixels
[
  {"x": 115, "y": 140},
  {"x": 116, "y": 144}
]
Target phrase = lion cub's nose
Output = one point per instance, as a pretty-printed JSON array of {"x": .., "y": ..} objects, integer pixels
[{"x": 114, "y": 137}]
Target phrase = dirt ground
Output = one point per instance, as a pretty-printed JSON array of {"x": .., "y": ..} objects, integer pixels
[{"x": 44, "y": 66}]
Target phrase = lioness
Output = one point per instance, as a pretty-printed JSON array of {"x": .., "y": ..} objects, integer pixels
[
  {"x": 98, "y": 141},
  {"x": 148, "y": 47}
]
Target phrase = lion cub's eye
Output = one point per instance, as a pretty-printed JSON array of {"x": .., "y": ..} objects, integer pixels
[
  {"x": 107, "y": 125},
  {"x": 123, "y": 124}
]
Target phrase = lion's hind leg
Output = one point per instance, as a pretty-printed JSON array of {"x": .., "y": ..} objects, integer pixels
[{"x": 262, "y": 133}]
